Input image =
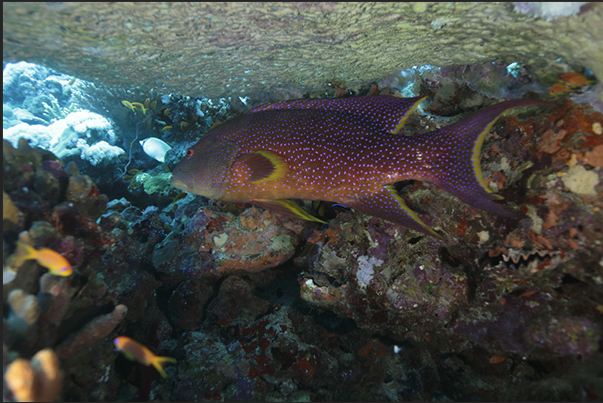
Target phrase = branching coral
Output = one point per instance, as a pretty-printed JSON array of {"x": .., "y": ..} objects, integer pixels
[{"x": 35, "y": 380}]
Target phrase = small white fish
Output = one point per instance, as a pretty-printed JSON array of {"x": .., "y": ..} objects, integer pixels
[{"x": 155, "y": 148}]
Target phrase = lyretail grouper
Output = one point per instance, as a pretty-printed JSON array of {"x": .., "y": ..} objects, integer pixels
[{"x": 343, "y": 150}]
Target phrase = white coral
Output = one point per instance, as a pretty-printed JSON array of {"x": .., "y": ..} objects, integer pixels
[
  {"x": 366, "y": 271},
  {"x": 37, "y": 135},
  {"x": 85, "y": 133},
  {"x": 100, "y": 152},
  {"x": 549, "y": 10}
]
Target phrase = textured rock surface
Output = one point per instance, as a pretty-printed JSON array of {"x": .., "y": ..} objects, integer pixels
[{"x": 224, "y": 49}]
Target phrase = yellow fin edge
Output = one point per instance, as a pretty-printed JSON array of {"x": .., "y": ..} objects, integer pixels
[
  {"x": 406, "y": 115},
  {"x": 298, "y": 211},
  {"x": 477, "y": 149},
  {"x": 280, "y": 167},
  {"x": 411, "y": 213},
  {"x": 290, "y": 207}
]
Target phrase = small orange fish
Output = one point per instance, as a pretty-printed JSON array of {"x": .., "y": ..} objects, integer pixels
[
  {"x": 574, "y": 80},
  {"x": 166, "y": 128},
  {"x": 135, "y": 171},
  {"x": 526, "y": 294},
  {"x": 559, "y": 89},
  {"x": 135, "y": 351},
  {"x": 53, "y": 261},
  {"x": 497, "y": 359},
  {"x": 140, "y": 107},
  {"x": 128, "y": 104},
  {"x": 182, "y": 124}
]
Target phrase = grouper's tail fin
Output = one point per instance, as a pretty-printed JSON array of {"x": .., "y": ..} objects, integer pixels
[{"x": 456, "y": 167}]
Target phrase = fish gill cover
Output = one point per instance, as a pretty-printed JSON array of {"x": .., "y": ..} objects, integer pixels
[{"x": 314, "y": 298}]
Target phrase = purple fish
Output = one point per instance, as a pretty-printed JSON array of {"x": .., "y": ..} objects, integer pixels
[{"x": 342, "y": 150}]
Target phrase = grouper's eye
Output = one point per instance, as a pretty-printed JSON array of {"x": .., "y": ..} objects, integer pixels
[{"x": 189, "y": 152}]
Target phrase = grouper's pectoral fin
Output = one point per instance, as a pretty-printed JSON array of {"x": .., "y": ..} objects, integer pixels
[
  {"x": 286, "y": 207},
  {"x": 259, "y": 166},
  {"x": 388, "y": 205}
]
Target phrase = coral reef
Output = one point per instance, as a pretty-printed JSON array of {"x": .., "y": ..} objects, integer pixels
[{"x": 258, "y": 306}]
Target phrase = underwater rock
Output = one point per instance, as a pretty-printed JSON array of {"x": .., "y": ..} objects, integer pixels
[
  {"x": 565, "y": 335},
  {"x": 95, "y": 330},
  {"x": 84, "y": 195},
  {"x": 24, "y": 313},
  {"x": 281, "y": 43},
  {"x": 187, "y": 303},
  {"x": 236, "y": 304},
  {"x": 60, "y": 291},
  {"x": 80, "y": 187},
  {"x": 364, "y": 270},
  {"x": 47, "y": 186},
  {"x": 253, "y": 242},
  {"x": 217, "y": 243},
  {"x": 12, "y": 218}
]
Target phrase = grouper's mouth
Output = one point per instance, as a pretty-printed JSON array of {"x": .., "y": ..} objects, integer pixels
[{"x": 179, "y": 184}]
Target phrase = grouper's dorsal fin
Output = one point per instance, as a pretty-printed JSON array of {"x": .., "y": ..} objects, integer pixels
[
  {"x": 388, "y": 204},
  {"x": 388, "y": 111},
  {"x": 288, "y": 208}
]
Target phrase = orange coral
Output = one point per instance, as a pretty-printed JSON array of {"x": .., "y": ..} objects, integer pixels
[{"x": 38, "y": 380}]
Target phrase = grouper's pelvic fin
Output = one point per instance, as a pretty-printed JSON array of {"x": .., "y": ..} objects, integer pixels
[
  {"x": 288, "y": 208},
  {"x": 387, "y": 204},
  {"x": 455, "y": 165}
]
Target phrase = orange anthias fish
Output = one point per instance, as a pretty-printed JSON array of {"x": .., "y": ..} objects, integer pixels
[
  {"x": 558, "y": 89},
  {"x": 497, "y": 359},
  {"x": 53, "y": 261},
  {"x": 575, "y": 80},
  {"x": 342, "y": 150},
  {"x": 137, "y": 352}
]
